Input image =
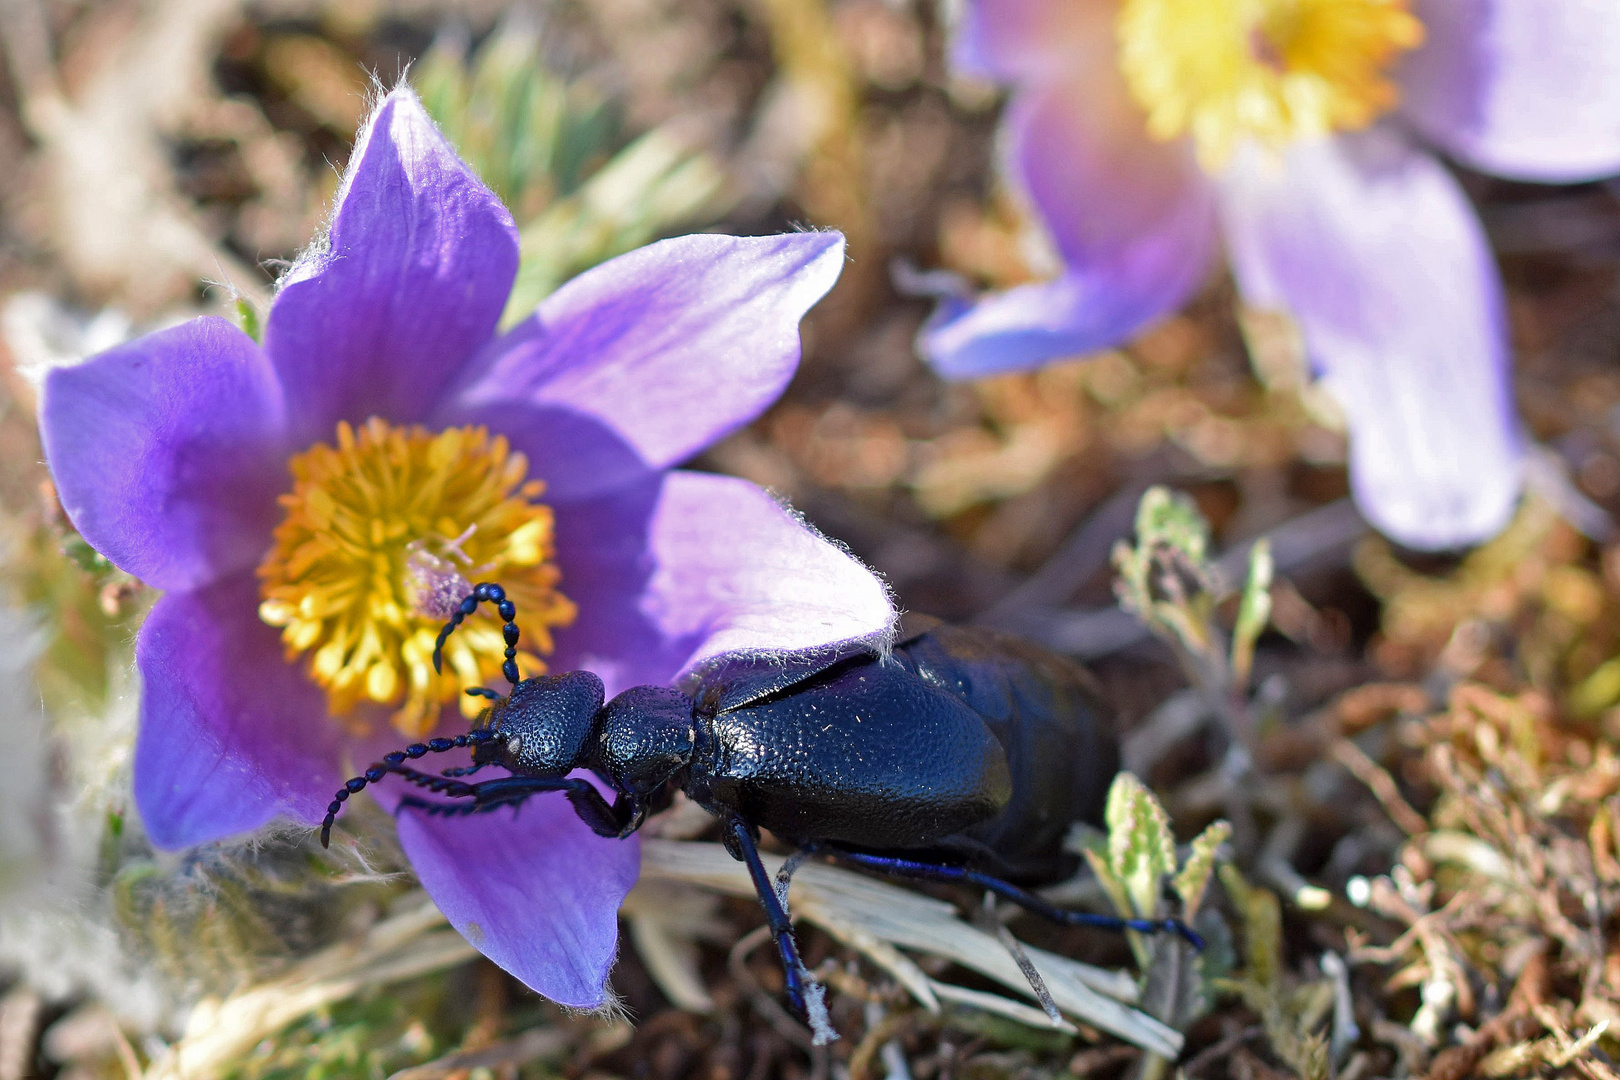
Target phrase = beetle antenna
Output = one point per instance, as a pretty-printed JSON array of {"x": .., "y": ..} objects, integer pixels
[
  {"x": 494, "y": 594},
  {"x": 390, "y": 762}
]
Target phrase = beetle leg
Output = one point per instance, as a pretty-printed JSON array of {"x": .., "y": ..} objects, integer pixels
[
  {"x": 742, "y": 836},
  {"x": 1006, "y": 890},
  {"x": 492, "y": 794},
  {"x": 457, "y": 809}
]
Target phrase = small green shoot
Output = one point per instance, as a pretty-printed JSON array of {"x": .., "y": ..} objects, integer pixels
[
  {"x": 247, "y": 319},
  {"x": 1138, "y": 858},
  {"x": 1166, "y": 579},
  {"x": 1292, "y": 1013},
  {"x": 1254, "y": 611}
]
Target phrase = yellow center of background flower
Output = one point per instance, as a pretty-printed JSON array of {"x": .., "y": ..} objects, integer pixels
[
  {"x": 376, "y": 529},
  {"x": 1274, "y": 70}
]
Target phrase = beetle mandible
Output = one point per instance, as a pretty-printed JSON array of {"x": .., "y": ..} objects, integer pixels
[{"x": 963, "y": 756}]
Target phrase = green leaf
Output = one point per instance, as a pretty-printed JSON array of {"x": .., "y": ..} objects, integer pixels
[
  {"x": 554, "y": 148},
  {"x": 1254, "y": 611},
  {"x": 1262, "y": 928},
  {"x": 1193, "y": 879},
  {"x": 651, "y": 186},
  {"x": 531, "y": 134},
  {"x": 1166, "y": 579},
  {"x": 1172, "y": 518},
  {"x": 247, "y": 318},
  {"x": 1141, "y": 849}
]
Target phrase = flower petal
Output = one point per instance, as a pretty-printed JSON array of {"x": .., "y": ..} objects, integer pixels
[
  {"x": 1520, "y": 88},
  {"x": 688, "y": 565},
  {"x": 607, "y": 563},
  {"x": 669, "y": 348},
  {"x": 230, "y": 734},
  {"x": 1371, "y": 246},
  {"x": 410, "y": 284},
  {"x": 532, "y": 888},
  {"x": 737, "y": 572},
  {"x": 1133, "y": 219},
  {"x": 168, "y": 453},
  {"x": 1023, "y": 39}
]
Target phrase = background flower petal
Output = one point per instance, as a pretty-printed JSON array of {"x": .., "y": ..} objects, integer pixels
[
  {"x": 1030, "y": 325},
  {"x": 411, "y": 283},
  {"x": 168, "y": 453},
  {"x": 1520, "y": 88},
  {"x": 1026, "y": 39},
  {"x": 532, "y": 888},
  {"x": 1372, "y": 247},
  {"x": 1133, "y": 219},
  {"x": 230, "y": 734},
  {"x": 669, "y": 347}
]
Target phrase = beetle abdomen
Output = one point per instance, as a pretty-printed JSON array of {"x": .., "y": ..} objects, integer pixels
[
  {"x": 1060, "y": 746},
  {"x": 871, "y": 756}
]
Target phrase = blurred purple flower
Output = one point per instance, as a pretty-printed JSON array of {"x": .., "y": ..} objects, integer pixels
[
  {"x": 1144, "y": 130},
  {"x": 194, "y": 459}
]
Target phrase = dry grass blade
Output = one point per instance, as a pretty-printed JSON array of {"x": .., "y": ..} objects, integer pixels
[
  {"x": 220, "y": 1032},
  {"x": 535, "y": 1043},
  {"x": 852, "y": 907},
  {"x": 1001, "y": 1006}
]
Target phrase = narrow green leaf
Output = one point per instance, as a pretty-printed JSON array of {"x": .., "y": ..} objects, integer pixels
[
  {"x": 1141, "y": 849},
  {"x": 1193, "y": 879},
  {"x": 247, "y": 318},
  {"x": 1254, "y": 611}
]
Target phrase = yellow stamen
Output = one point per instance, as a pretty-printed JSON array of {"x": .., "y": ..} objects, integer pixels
[
  {"x": 365, "y": 521},
  {"x": 1274, "y": 70}
]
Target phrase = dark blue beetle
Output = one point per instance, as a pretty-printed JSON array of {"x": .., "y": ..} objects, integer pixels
[{"x": 963, "y": 756}]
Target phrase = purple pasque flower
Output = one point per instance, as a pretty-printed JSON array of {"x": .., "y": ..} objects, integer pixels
[
  {"x": 1144, "y": 132},
  {"x": 285, "y": 498}
]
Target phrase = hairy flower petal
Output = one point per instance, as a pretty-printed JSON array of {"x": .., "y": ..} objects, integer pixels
[
  {"x": 688, "y": 565},
  {"x": 1520, "y": 88},
  {"x": 168, "y": 452},
  {"x": 410, "y": 283},
  {"x": 738, "y": 573},
  {"x": 230, "y": 734},
  {"x": 1370, "y": 244},
  {"x": 663, "y": 350}
]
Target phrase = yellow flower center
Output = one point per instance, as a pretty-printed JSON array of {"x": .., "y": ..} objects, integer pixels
[
  {"x": 380, "y": 534},
  {"x": 1274, "y": 70}
]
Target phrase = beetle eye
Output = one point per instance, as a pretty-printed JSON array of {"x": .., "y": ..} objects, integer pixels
[{"x": 514, "y": 744}]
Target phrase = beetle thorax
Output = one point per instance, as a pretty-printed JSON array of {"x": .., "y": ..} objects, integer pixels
[{"x": 644, "y": 738}]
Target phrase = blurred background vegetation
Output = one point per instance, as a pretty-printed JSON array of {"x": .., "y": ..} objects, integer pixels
[{"x": 1428, "y": 862}]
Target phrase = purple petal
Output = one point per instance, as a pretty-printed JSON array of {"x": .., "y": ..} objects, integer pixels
[
  {"x": 688, "y": 565},
  {"x": 664, "y": 351},
  {"x": 168, "y": 454},
  {"x": 230, "y": 734},
  {"x": 415, "y": 273},
  {"x": 607, "y": 566},
  {"x": 1026, "y": 39},
  {"x": 736, "y": 572},
  {"x": 1520, "y": 88},
  {"x": 1133, "y": 219},
  {"x": 1373, "y": 248},
  {"x": 532, "y": 888}
]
